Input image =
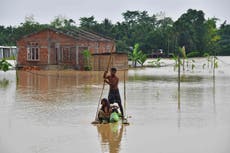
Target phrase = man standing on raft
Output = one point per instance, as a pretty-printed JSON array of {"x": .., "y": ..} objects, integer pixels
[{"x": 114, "y": 95}]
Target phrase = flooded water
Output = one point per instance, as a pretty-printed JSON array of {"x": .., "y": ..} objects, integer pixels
[{"x": 51, "y": 111}]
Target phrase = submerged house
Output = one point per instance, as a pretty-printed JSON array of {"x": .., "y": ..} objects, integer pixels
[{"x": 54, "y": 48}]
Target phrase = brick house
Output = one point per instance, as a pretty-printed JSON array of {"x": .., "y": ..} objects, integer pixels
[{"x": 52, "y": 48}]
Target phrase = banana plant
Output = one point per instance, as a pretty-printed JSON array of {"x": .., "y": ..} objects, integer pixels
[
  {"x": 155, "y": 63},
  {"x": 4, "y": 65},
  {"x": 208, "y": 60},
  {"x": 142, "y": 58},
  {"x": 137, "y": 56},
  {"x": 175, "y": 58},
  {"x": 215, "y": 62},
  {"x": 183, "y": 53},
  {"x": 193, "y": 64}
]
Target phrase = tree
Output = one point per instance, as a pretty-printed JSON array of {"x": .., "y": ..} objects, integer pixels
[
  {"x": 151, "y": 31},
  {"x": 191, "y": 30},
  {"x": 211, "y": 36},
  {"x": 88, "y": 23},
  {"x": 224, "y": 41},
  {"x": 7, "y": 36},
  {"x": 106, "y": 27},
  {"x": 61, "y": 21}
]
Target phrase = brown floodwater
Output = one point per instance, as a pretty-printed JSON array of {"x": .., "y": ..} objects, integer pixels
[{"x": 51, "y": 111}]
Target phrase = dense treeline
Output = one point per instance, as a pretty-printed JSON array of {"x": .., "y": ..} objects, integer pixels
[{"x": 151, "y": 32}]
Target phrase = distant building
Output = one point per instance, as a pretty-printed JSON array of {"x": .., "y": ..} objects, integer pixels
[
  {"x": 8, "y": 52},
  {"x": 118, "y": 60},
  {"x": 53, "y": 48}
]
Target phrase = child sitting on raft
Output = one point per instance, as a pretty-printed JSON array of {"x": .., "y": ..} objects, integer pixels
[
  {"x": 104, "y": 112},
  {"x": 108, "y": 113}
]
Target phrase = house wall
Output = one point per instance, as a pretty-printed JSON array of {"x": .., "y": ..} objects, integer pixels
[
  {"x": 118, "y": 60},
  {"x": 52, "y": 46},
  {"x": 47, "y": 42}
]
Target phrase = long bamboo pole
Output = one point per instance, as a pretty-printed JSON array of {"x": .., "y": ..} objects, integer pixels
[{"x": 107, "y": 68}]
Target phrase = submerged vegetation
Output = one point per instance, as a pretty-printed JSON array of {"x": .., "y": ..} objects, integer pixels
[
  {"x": 4, "y": 83},
  {"x": 155, "y": 63},
  {"x": 4, "y": 65},
  {"x": 137, "y": 56},
  {"x": 87, "y": 60}
]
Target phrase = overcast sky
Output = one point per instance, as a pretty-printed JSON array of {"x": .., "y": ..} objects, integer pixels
[{"x": 13, "y": 12}]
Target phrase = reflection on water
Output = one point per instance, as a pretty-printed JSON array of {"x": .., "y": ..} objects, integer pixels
[
  {"x": 110, "y": 136},
  {"x": 51, "y": 112},
  {"x": 53, "y": 86},
  {"x": 4, "y": 83}
]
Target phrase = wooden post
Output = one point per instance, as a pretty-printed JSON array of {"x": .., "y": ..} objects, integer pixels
[
  {"x": 124, "y": 94},
  {"x": 178, "y": 82},
  {"x": 213, "y": 65}
]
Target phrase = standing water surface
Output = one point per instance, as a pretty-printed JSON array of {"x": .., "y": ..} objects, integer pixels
[{"x": 51, "y": 112}]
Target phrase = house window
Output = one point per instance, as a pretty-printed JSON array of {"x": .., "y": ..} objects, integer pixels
[
  {"x": 6, "y": 52},
  {"x": 96, "y": 47},
  {"x": 66, "y": 54},
  {"x": 33, "y": 51},
  {"x": 107, "y": 48}
]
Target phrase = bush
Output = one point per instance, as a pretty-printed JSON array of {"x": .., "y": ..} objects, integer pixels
[
  {"x": 206, "y": 55},
  {"x": 87, "y": 68},
  {"x": 193, "y": 54}
]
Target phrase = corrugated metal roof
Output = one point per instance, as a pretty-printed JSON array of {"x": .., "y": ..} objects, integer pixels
[{"x": 75, "y": 33}]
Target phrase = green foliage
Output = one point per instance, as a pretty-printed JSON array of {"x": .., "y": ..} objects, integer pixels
[
  {"x": 177, "y": 62},
  {"x": 206, "y": 55},
  {"x": 151, "y": 31},
  {"x": 142, "y": 58},
  {"x": 193, "y": 54},
  {"x": 182, "y": 51},
  {"x": 86, "y": 59},
  {"x": 4, "y": 83},
  {"x": 190, "y": 30},
  {"x": 211, "y": 37},
  {"x": 10, "y": 58},
  {"x": 155, "y": 63},
  {"x": 4, "y": 65},
  {"x": 175, "y": 58},
  {"x": 88, "y": 23},
  {"x": 193, "y": 64},
  {"x": 61, "y": 21},
  {"x": 224, "y": 42},
  {"x": 137, "y": 56},
  {"x": 208, "y": 60},
  {"x": 215, "y": 62}
]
